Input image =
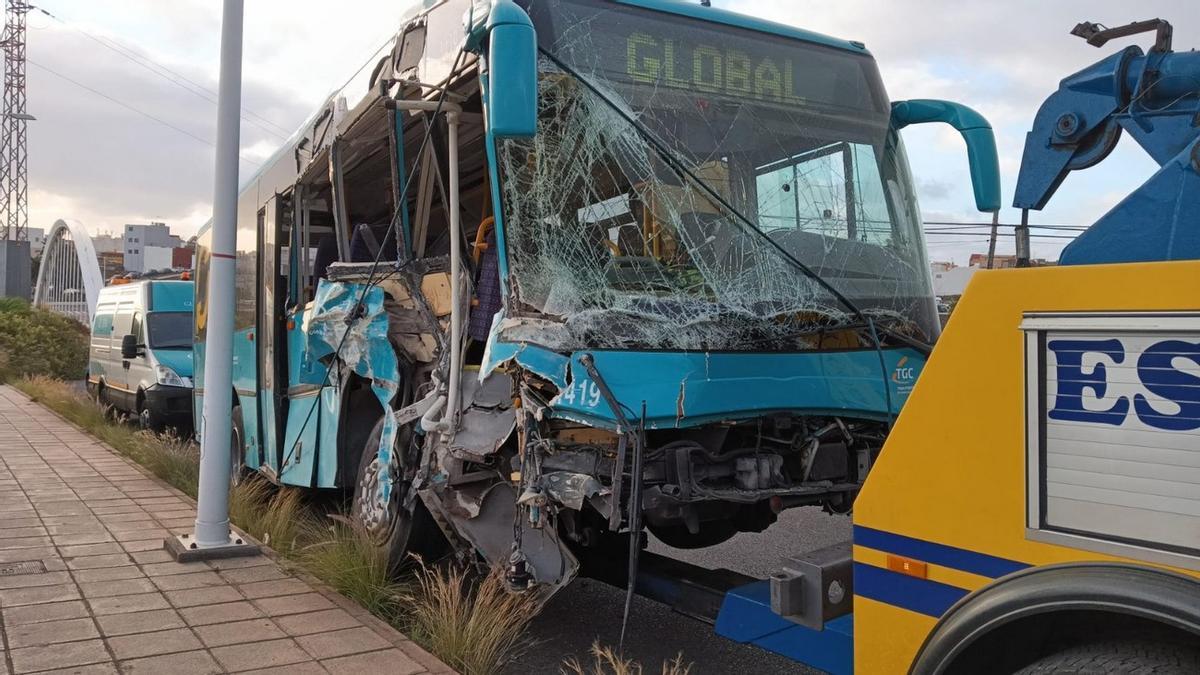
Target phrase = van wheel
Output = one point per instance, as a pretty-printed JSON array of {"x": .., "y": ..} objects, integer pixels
[
  {"x": 145, "y": 420},
  {"x": 110, "y": 413},
  {"x": 237, "y": 448},
  {"x": 393, "y": 530}
]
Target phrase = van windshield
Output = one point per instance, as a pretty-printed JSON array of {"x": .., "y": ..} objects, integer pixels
[{"x": 169, "y": 330}]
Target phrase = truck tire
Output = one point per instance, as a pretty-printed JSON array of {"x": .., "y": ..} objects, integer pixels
[
  {"x": 1128, "y": 656},
  {"x": 394, "y": 532}
]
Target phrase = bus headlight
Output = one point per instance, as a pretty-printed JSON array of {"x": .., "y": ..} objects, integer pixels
[{"x": 170, "y": 378}]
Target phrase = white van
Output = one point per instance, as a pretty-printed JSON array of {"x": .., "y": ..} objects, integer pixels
[{"x": 140, "y": 358}]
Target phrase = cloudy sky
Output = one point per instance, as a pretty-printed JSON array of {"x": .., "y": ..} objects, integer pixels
[{"x": 124, "y": 94}]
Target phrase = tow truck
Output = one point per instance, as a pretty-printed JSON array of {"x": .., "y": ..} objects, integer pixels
[{"x": 1036, "y": 507}]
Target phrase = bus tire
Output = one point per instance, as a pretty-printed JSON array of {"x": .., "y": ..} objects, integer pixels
[
  {"x": 1128, "y": 655},
  {"x": 393, "y": 531},
  {"x": 237, "y": 448}
]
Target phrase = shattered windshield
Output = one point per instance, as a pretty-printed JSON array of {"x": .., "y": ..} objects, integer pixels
[{"x": 655, "y": 132}]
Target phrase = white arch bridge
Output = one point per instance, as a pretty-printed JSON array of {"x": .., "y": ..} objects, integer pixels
[{"x": 69, "y": 279}]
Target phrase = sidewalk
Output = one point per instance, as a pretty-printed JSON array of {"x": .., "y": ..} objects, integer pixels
[{"x": 85, "y": 586}]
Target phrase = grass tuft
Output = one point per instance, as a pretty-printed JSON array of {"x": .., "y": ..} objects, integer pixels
[
  {"x": 606, "y": 661},
  {"x": 472, "y": 623},
  {"x": 344, "y": 557}
]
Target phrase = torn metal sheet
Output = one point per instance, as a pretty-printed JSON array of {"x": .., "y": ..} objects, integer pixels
[
  {"x": 362, "y": 345},
  {"x": 487, "y": 419}
]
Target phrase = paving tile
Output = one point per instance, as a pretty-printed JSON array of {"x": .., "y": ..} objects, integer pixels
[
  {"x": 103, "y": 589},
  {"x": 175, "y": 582},
  {"x": 46, "y": 612},
  {"x": 75, "y": 551},
  {"x": 386, "y": 662},
  {"x": 254, "y": 655},
  {"x": 306, "y": 668},
  {"x": 91, "y": 669},
  {"x": 246, "y": 575},
  {"x": 316, "y": 622},
  {"x": 157, "y": 555},
  {"x": 65, "y": 655},
  {"x": 138, "y": 622},
  {"x": 141, "y": 534},
  {"x": 254, "y": 630},
  {"x": 107, "y": 574},
  {"x": 122, "y": 604},
  {"x": 341, "y": 643},
  {"x": 150, "y": 644},
  {"x": 40, "y": 579},
  {"x": 50, "y": 632},
  {"x": 75, "y": 538},
  {"x": 12, "y": 597},
  {"x": 210, "y": 595},
  {"x": 267, "y": 589},
  {"x": 17, "y": 532},
  {"x": 154, "y": 569},
  {"x": 293, "y": 604},
  {"x": 210, "y": 614},
  {"x": 93, "y": 561},
  {"x": 188, "y": 663},
  {"x": 23, "y": 554},
  {"x": 238, "y": 563},
  {"x": 139, "y": 545}
]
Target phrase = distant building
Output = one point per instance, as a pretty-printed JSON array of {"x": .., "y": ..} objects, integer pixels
[
  {"x": 37, "y": 240},
  {"x": 108, "y": 243},
  {"x": 148, "y": 247},
  {"x": 1003, "y": 261},
  {"x": 951, "y": 282}
]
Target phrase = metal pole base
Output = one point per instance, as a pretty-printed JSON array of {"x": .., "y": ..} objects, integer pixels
[{"x": 183, "y": 548}]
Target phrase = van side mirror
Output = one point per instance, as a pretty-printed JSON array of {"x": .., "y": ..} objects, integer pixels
[
  {"x": 975, "y": 130},
  {"x": 129, "y": 347},
  {"x": 512, "y": 72}
]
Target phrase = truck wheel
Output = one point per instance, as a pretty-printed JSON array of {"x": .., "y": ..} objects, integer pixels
[
  {"x": 1118, "y": 656},
  {"x": 393, "y": 530},
  {"x": 711, "y": 533}
]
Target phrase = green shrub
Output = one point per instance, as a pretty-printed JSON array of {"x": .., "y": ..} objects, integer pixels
[{"x": 34, "y": 341}]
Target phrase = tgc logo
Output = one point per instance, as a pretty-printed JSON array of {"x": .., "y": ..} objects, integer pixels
[{"x": 1160, "y": 370}]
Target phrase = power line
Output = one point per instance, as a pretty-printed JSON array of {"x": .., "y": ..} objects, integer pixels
[
  {"x": 131, "y": 108},
  {"x": 998, "y": 234},
  {"x": 172, "y": 76},
  {"x": 962, "y": 225}
]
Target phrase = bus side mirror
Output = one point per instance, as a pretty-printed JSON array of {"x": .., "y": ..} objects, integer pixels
[
  {"x": 129, "y": 347},
  {"x": 512, "y": 72},
  {"x": 975, "y": 130}
]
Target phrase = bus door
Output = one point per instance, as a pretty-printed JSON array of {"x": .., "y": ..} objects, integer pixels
[
  {"x": 305, "y": 377},
  {"x": 272, "y": 293}
]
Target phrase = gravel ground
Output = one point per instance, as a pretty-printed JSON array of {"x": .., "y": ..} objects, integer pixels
[{"x": 589, "y": 610}]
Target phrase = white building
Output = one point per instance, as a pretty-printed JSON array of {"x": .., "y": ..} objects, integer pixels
[
  {"x": 951, "y": 282},
  {"x": 37, "y": 240},
  {"x": 139, "y": 238}
]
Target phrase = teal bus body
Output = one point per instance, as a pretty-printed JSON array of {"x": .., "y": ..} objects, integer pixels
[{"x": 709, "y": 250}]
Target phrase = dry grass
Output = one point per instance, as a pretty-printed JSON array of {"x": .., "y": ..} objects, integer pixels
[
  {"x": 606, "y": 661},
  {"x": 472, "y": 623}
]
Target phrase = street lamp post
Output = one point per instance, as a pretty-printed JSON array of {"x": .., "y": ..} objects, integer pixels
[{"x": 213, "y": 538}]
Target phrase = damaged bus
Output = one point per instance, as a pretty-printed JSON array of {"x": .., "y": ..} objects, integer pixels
[{"x": 549, "y": 273}]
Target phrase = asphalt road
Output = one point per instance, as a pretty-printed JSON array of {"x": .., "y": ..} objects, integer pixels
[{"x": 588, "y": 610}]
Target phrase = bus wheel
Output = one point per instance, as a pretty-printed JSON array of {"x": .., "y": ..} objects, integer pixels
[
  {"x": 393, "y": 530},
  {"x": 1118, "y": 656},
  {"x": 237, "y": 449}
]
